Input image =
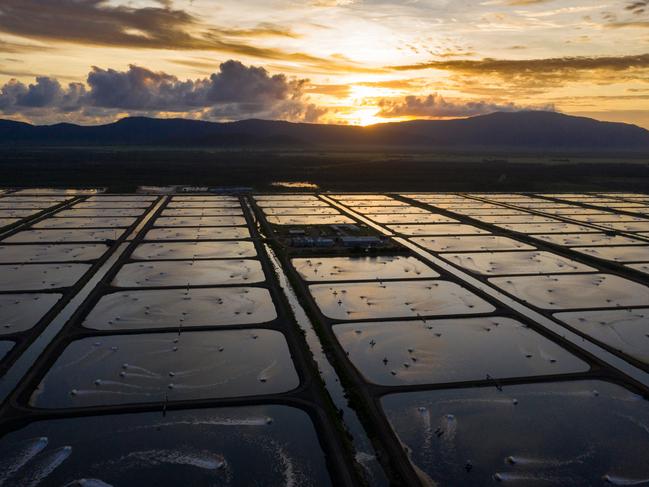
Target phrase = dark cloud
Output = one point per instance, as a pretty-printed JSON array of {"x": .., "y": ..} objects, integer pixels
[
  {"x": 638, "y": 7},
  {"x": 235, "y": 91},
  {"x": 16, "y": 48},
  {"x": 543, "y": 72},
  {"x": 436, "y": 106},
  {"x": 100, "y": 23},
  {"x": 578, "y": 63},
  {"x": 97, "y": 22},
  {"x": 43, "y": 95}
]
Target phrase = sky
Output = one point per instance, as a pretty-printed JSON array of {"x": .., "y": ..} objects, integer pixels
[{"x": 326, "y": 61}]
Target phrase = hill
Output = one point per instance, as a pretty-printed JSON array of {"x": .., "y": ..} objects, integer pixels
[{"x": 546, "y": 131}]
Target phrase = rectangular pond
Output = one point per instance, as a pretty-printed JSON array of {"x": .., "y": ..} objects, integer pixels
[
  {"x": 362, "y": 268},
  {"x": 67, "y": 235},
  {"x": 565, "y": 291},
  {"x": 204, "y": 447},
  {"x": 34, "y": 277},
  {"x": 579, "y": 434},
  {"x": 198, "y": 233},
  {"x": 512, "y": 263},
  {"x": 125, "y": 369},
  {"x": 396, "y": 299},
  {"x": 467, "y": 243},
  {"x": 20, "y": 312},
  {"x": 189, "y": 273},
  {"x": 194, "y": 250},
  {"x": 396, "y": 353},
  {"x": 626, "y": 330},
  {"x": 177, "y": 308},
  {"x": 50, "y": 253}
]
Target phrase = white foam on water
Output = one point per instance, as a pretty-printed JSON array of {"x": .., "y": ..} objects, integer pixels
[
  {"x": 264, "y": 374},
  {"x": 255, "y": 421},
  {"x": 290, "y": 477},
  {"x": 142, "y": 369},
  {"x": 44, "y": 465},
  {"x": 88, "y": 483},
  {"x": 97, "y": 358},
  {"x": 203, "y": 460},
  {"x": 22, "y": 453},
  {"x": 613, "y": 480},
  {"x": 428, "y": 432},
  {"x": 526, "y": 478},
  {"x": 534, "y": 462}
]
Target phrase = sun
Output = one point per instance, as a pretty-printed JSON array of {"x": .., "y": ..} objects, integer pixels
[{"x": 364, "y": 116}]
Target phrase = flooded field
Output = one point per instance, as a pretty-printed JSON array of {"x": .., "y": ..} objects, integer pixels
[
  {"x": 85, "y": 222},
  {"x": 174, "y": 308},
  {"x": 395, "y": 299},
  {"x": 511, "y": 263},
  {"x": 575, "y": 291},
  {"x": 309, "y": 219},
  {"x": 64, "y": 236},
  {"x": 197, "y": 447},
  {"x": 189, "y": 273},
  {"x": 202, "y": 233},
  {"x": 199, "y": 221},
  {"x": 623, "y": 329},
  {"x": 122, "y": 369},
  {"x": 218, "y": 339},
  {"x": 469, "y": 243},
  {"x": 362, "y": 268},
  {"x": 35, "y": 277},
  {"x": 51, "y": 253},
  {"x": 438, "y": 229},
  {"x": 194, "y": 250},
  {"x": 20, "y": 312},
  {"x": 571, "y": 433},
  {"x": 438, "y": 351}
]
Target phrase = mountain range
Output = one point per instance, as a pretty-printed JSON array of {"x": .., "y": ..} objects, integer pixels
[{"x": 535, "y": 130}]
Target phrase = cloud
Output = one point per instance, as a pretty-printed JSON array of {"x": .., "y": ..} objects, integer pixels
[
  {"x": 638, "y": 7},
  {"x": 101, "y": 23},
  {"x": 436, "y": 106},
  {"x": 235, "y": 91},
  {"x": 543, "y": 72},
  {"x": 18, "y": 48}
]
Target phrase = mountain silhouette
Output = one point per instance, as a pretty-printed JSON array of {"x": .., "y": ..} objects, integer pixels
[{"x": 517, "y": 130}]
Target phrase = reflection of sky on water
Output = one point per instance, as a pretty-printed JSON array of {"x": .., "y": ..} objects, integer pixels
[{"x": 436, "y": 351}]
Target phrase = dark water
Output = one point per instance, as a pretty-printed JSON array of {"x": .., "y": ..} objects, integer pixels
[
  {"x": 5, "y": 348},
  {"x": 246, "y": 446},
  {"x": 559, "y": 434}
]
